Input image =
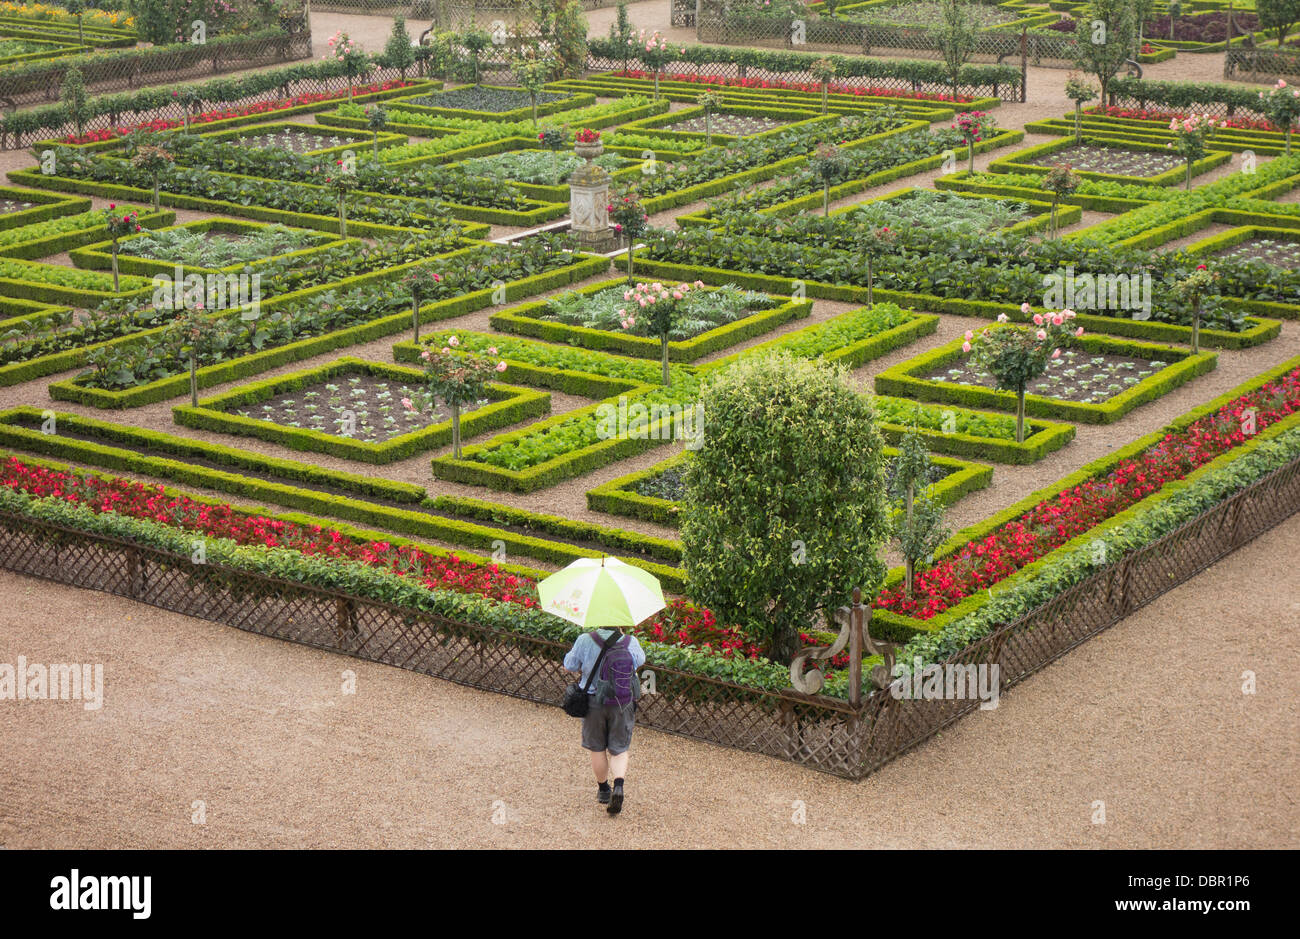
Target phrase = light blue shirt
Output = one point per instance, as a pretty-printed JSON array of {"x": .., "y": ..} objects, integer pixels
[{"x": 585, "y": 651}]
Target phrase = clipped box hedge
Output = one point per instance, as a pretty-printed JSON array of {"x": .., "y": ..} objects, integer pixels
[
  {"x": 903, "y": 380},
  {"x": 1015, "y": 162}
]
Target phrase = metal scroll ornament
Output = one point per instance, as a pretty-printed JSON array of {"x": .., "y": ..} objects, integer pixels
[{"x": 855, "y": 635}]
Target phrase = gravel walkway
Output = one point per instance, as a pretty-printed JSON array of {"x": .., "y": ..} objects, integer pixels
[{"x": 1148, "y": 718}]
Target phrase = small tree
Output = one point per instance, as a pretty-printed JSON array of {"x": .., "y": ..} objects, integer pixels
[
  {"x": 553, "y": 139},
  {"x": 376, "y": 121},
  {"x": 829, "y": 164},
  {"x": 152, "y": 160},
  {"x": 193, "y": 334},
  {"x": 342, "y": 181},
  {"x": 1281, "y": 105},
  {"x": 476, "y": 39},
  {"x": 873, "y": 242},
  {"x": 918, "y": 525},
  {"x": 398, "y": 51},
  {"x": 1278, "y": 15},
  {"x": 189, "y": 100},
  {"x": 76, "y": 100},
  {"x": 823, "y": 70},
  {"x": 660, "y": 308},
  {"x": 711, "y": 101},
  {"x": 423, "y": 283},
  {"x": 1107, "y": 30},
  {"x": 1175, "y": 11},
  {"x": 973, "y": 126},
  {"x": 532, "y": 72},
  {"x": 1060, "y": 182},
  {"x": 623, "y": 32},
  {"x": 631, "y": 221},
  {"x": 350, "y": 55},
  {"x": 1080, "y": 92},
  {"x": 119, "y": 225},
  {"x": 1200, "y": 291},
  {"x": 957, "y": 38},
  {"x": 456, "y": 379},
  {"x": 1191, "y": 133},
  {"x": 784, "y": 511},
  {"x": 77, "y": 8},
  {"x": 656, "y": 53},
  {"x": 1142, "y": 11},
  {"x": 1016, "y": 355}
]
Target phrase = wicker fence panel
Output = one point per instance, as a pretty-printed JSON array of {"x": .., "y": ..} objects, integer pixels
[
  {"x": 1260, "y": 64},
  {"x": 818, "y": 732}
]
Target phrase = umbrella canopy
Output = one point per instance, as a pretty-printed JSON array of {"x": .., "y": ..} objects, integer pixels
[{"x": 596, "y": 592}]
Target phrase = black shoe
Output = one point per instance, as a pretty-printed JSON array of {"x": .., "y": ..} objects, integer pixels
[
  {"x": 602, "y": 795},
  {"x": 616, "y": 800}
]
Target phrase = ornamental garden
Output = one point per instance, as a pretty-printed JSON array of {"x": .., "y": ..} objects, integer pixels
[{"x": 845, "y": 334}]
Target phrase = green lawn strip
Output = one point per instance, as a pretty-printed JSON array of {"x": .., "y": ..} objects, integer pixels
[
  {"x": 903, "y": 380},
  {"x": 510, "y": 405}
]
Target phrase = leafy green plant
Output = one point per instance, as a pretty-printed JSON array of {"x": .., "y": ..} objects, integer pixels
[{"x": 918, "y": 526}]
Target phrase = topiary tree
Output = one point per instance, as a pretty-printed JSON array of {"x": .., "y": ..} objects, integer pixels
[
  {"x": 1080, "y": 92},
  {"x": 784, "y": 511},
  {"x": 918, "y": 524},
  {"x": 630, "y": 220},
  {"x": 1106, "y": 32},
  {"x": 475, "y": 40},
  {"x": 873, "y": 242},
  {"x": 623, "y": 32},
  {"x": 193, "y": 334},
  {"x": 823, "y": 70},
  {"x": 1278, "y": 15},
  {"x": 957, "y": 38},
  {"x": 711, "y": 101},
  {"x": 342, "y": 181},
  {"x": 119, "y": 225},
  {"x": 554, "y": 140},
  {"x": 422, "y": 281},
  {"x": 77, "y": 8},
  {"x": 1200, "y": 291},
  {"x": 1190, "y": 136},
  {"x": 76, "y": 100},
  {"x": 1016, "y": 355},
  {"x": 1060, "y": 182},
  {"x": 398, "y": 51},
  {"x": 152, "y": 160},
  {"x": 973, "y": 126},
  {"x": 829, "y": 164},
  {"x": 532, "y": 71},
  {"x": 660, "y": 308},
  {"x": 376, "y": 120}
]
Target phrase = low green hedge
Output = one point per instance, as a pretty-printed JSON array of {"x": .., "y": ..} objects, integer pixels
[
  {"x": 256, "y": 363},
  {"x": 902, "y": 380},
  {"x": 572, "y": 102},
  {"x": 16, "y": 430},
  {"x": 886, "y": 624},
  {"x": 510, "y": 406},
  {"x": 517, "y": 321},
  {"x": 45, "y": 205},
  {"x": 1171, "y": 177},
  {"x": 1260, "y": 331},
  {"x": 47, "y": 237}
]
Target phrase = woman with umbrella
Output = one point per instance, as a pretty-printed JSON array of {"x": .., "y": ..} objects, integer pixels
[{"x": 608, "y": 596}]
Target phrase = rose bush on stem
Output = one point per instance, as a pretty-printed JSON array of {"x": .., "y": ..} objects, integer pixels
[
  {"x": 1080, "y": 92},
  {"x": 1281, "y": 105},
  {"x": 829, "y": 164},
  {"x": 193, "y": 334},
  {"x": 455, "y": 378},
  {"x": 1016, "y": 355},
  {"x": 873, "y": 242},
  {"x": 656, "y": 53},
  {"x": 631, "y": 221},
  {"x": 1199, "y": 290},
  {"x": 1192, "y": 133},
  {"x": 119, "y": 225},
  {"x": 973, "y": 126},
  {"x": 659, "y": 308},
  {"x": 342, "y": 181},
  {"x": 711, "y": 101},
  {"x": 349, "y": 53},
  {"x": 152, "y": 161}
]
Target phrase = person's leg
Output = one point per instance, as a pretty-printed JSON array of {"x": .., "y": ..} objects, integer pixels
[
  {"x": 600, "y": 764},
  {"x": 617, "y": 764}
]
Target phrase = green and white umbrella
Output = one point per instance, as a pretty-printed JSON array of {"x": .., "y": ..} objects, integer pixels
[{"x": 596, "y": 592}]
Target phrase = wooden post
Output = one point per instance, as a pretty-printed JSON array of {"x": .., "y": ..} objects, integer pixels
[{"x": 855, "y": 649}]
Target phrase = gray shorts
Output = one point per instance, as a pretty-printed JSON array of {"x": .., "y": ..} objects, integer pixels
[{"x": 608, "y": 728}]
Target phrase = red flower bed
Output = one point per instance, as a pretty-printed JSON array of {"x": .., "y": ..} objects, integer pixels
[
  {"x": 859, "y": 91},
  {"x": 680, "y": 624},
  {"x": 1164, "y": 117},
  {"x": 207, "y": 117},
  {"x": 1070, "y": 513},
  {"x": 137, "y": 500}
]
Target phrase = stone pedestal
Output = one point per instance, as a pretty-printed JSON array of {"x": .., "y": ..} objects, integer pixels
[{"x": 589, "y": 203}]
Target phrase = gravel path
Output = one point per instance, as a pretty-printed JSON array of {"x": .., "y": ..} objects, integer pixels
[{"x": 1148, "y": 718}]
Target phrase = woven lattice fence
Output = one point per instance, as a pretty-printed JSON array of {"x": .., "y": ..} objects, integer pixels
[
  {"x": 1260, "y": 64},
  {"x": 130, "y": 69},
  {"x": 821, "y": 733}
]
